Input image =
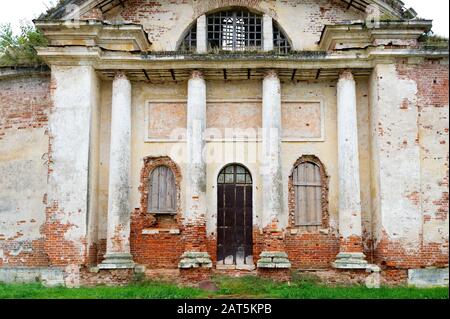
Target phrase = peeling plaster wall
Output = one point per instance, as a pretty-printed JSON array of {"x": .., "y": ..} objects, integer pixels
[
  {"x": 409, "y": 131},
  {"x": 395, "y": 135},
  {"x": 24, "y": 108},
  {"x": 166, "y": 21}
]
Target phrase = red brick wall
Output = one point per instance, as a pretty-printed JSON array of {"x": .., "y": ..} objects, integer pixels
[{"x": 24, "y": 103}]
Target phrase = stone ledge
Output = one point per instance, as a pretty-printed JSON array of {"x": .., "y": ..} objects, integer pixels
[
  {"x": 428, "y": 277},
  {"x": 171, "y": 231}
]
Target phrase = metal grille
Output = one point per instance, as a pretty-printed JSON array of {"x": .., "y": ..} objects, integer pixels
[
  {"x": 189, "y": 42},
  {"x": 281, "y": 44},
  {"x": 235, "y": 174},
  {"x": 234, "y": 31}
]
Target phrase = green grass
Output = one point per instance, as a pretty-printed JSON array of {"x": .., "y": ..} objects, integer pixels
[
  {"x": 246, "y": 287},
  {"x": 310, "y": 288}
]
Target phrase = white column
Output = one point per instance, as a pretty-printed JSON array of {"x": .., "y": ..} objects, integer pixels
[
  {"x": 202, "y": 42},
  {"x": 196, "y": 124},
  {"x": 350, "y": 227},
  {"x": 271, "y": 148},
  {"x": 267, "y": 33},
  {"x": 118, "y": 237},
  {"x": 194, "y": 233},
  {"x": 273, "y": 254}
]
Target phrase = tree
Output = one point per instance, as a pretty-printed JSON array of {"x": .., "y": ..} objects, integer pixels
[{"x": 20, "y": 50}]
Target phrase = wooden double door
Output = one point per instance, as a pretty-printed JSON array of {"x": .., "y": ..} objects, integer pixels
[{"x": 235, "y": 216}]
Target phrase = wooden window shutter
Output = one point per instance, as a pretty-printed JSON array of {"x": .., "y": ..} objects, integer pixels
[
  {"x": 162, "y": 191},
  {"x": 308, "y": 194}
]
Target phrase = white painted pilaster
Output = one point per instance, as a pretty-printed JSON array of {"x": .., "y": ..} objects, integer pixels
[
  {"x": 72, "y": 124},
  {"x": 118, "y": 237}
]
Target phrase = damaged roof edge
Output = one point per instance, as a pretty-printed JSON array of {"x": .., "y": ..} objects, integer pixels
[
  {"x": 395, "y": 7},
  {"x": 425, "y": 24},
  {"x": 60, "y": 10},
  {"x": 41, "y": 24}
]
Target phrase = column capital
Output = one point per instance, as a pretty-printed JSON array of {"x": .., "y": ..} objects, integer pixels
[
  {"x": 196, "y": 74},
  {"x": 120, "y": 75},
  {"x": 270, "y": 73},
  {"x": 346, "y": 74}
]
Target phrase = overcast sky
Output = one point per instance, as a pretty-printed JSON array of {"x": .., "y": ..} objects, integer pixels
[{"x": 13, "y": 11}]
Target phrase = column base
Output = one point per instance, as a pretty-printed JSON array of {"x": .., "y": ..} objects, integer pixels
[
  {"x": 350, "y": 261},
  {"x": 274, "y": 260},
  {"x": 117, "y": 261},
  {"x": 194, "y": 259}
]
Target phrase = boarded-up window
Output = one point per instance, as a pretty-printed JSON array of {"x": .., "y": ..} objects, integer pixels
[
  {"x": 308, "y": 194},
  {"x": 162, "y": 191}
]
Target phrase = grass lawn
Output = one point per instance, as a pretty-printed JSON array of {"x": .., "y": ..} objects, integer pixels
[{"x": 246, "y": 287}]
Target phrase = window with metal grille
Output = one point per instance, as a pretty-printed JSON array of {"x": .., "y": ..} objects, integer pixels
[
  {"x": 281, "y": 44},
  {"x": 189, "y": 42},
  {"x": 307, "y": 184},
  {"x": 162, "y": 191},
  {"x": 234, "y": 30}
]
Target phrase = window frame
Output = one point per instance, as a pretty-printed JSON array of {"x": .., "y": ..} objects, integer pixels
[
  {"x": 162, "y": 211},
  {"x": 322, "y": 221}
]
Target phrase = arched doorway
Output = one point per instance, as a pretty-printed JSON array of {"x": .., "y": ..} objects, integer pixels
[{"x": 235, "y": 216}]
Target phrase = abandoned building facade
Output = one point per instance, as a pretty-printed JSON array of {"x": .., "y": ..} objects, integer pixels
[{"x": 184, "y": 138}]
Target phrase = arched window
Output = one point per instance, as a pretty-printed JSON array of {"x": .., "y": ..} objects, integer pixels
[
  {"x": 189, "y": 42},
  {"x": 281, "y": 44},
  {"x": 162, "y": 191},
  {"x": 235, "y": 30},
  {"x": 307, "y": 183}
]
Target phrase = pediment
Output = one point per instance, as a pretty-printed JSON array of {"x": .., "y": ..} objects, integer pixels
[{"x": 69, "y": 9}]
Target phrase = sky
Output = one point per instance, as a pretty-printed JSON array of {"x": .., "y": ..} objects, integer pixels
[{"x": 17, "y": 10}]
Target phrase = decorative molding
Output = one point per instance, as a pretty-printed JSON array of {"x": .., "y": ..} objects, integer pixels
[
  {"x": 148, "y": 139},
  {"x": 358, "y": 35}
]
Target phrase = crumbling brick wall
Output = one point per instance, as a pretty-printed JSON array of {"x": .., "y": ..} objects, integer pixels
[
  {"x": 155, "y": 239},
  {"x": 24, "y": 108},
  {"x": 167, "y": 20}
]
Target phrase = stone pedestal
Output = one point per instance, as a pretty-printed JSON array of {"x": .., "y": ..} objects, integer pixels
[
  {"x": 274, "y": 260},
  {"x": 118, "y": 238},
  {"x": 195, "y": 260},
  {"x": 350, "y": 227},
  {"x": 350, "y": 261}
]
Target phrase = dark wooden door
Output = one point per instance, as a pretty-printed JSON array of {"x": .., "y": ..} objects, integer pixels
[{"x": 235, "y": 216}]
